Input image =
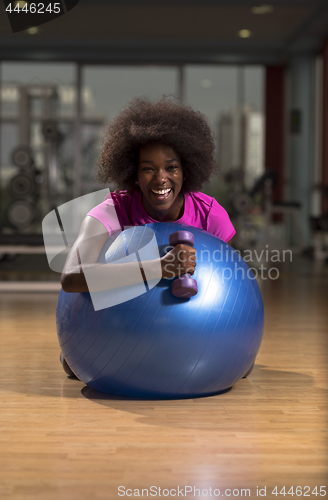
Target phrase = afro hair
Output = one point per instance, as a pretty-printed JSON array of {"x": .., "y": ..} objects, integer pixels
[{"x": 164, "y": 121}]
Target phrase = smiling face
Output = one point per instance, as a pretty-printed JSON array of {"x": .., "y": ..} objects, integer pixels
[{"x": 160, "y": 178}]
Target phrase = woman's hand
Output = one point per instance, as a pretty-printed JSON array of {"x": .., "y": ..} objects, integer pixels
[{"x": 180, "y": 260}]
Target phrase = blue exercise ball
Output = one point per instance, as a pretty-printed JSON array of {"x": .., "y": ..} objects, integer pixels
[{"x": 159, "y": 346}]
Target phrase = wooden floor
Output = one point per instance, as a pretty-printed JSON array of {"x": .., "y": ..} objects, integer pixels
[{"x": 61, "y": 440}]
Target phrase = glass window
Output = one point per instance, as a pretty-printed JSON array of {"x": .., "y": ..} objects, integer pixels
[
  {"x": 212, "y": 90},
  {"x": 106, "y": 91},
  {"x": 232, "y": 99},
  {"x": 254, "y": 87},
  {"x": 38, "y": 112}
]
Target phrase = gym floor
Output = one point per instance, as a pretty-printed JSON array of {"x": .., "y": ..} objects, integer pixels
[{"x": 63, "y": 441}]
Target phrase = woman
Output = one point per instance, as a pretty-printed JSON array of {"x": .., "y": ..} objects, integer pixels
[{"x": 158, "y": 154}]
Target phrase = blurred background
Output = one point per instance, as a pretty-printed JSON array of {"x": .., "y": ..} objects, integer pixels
[{"x": 259, "y": 71}]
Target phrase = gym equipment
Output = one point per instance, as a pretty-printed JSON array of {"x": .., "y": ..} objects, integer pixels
[
  {"x": 242, "y": 203},
  {"x": 21, "y": 214},
  {"x": 184, "y": 286},
  {"x": 50, "y": 130},
  {"x": 22, "y": 157},
  {"x": 21, "y": 185},
  {"x": 161, "y": 346}
]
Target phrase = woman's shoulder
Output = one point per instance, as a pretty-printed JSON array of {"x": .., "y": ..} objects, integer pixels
[
  {"x": 203, "y": 199},
  {"x": 113, "y": 211},
  {"x": 206, "y": 204},
  {"x": 119, "y": 196},
  {"x": 213, "y": 217},
  {"x": 120, "y": 199}
]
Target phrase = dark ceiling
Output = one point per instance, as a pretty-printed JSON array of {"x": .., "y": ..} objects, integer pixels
[{"x": 173, "y": 31}]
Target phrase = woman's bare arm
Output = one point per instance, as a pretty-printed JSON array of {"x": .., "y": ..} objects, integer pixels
[
  {"x": 81, "y": 265},
  {"x": 91, "y": 239}
]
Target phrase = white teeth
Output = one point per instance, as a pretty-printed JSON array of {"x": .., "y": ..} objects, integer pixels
[{"x": 163, "y": 191}]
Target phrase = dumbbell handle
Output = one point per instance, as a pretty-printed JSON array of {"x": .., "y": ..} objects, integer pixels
[{"x": 184, "y": 286}]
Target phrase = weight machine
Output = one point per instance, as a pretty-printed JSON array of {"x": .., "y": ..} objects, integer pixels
[
  {"x": 243, "y": 202},
  {"x": 33, "y": 187}
]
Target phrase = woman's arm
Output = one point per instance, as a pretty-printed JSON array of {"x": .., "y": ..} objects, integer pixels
[
  {"x": 90, "y": 241},
  {"x": 82, "y": 261}
]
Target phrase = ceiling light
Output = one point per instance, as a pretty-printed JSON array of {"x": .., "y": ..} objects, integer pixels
[
  {"x": 33, "y": 31},
  {"x": 21, "y": 4},
  {"x": 262, "y": 9},
  {"x": 245, "y": 33}
]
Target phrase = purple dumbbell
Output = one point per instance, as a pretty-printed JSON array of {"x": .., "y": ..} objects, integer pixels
[{"x": 184, "y": 286}]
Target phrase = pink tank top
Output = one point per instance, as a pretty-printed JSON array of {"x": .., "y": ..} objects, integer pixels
[{"x": 200, "y": 210}]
